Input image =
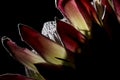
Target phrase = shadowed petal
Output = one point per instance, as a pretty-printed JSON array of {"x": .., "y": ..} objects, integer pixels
[
  {"x": 107, "y": 4},
  {"x": 56, "y": 72},
  {"x": 110, "y": 22},
  {"x": 49, "y": 50},
  {"x": 117, "y": 8},
  {"x": 14, "y": 77},
  {"x": 90, "y": 10},
  {"x": 71, "y": 38}
]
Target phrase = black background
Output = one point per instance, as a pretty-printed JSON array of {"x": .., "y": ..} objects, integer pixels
[{"x": 32, "y": 13}]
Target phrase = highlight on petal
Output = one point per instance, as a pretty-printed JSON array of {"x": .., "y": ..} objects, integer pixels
[
  {"x": 23, "y": 55},
  {"x": 72, "y": 39},
  {"x": 9, "y": 76},
  {"x": 100, "y": 9},
  {"x": 48, "y": 49},
  {"x": 76, "y": 14},
  {"x": 117, "y": 8}
]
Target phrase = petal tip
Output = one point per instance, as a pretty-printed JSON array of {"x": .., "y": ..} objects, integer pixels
[
  {"x": 4, "y": 41},
  {"x": 20, "y": 28}
]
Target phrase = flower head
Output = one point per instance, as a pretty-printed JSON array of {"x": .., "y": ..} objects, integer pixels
[{"x": 67, "y": 48}]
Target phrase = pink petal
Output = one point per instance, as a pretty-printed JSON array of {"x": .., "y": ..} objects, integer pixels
[
  {"x": 14, "y": 77},
  {"x": 23, "y": 55}
]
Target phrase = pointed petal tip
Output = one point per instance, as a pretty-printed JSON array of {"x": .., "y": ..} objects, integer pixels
[
  {"x": 25, "y": 30},
  {"x": 4, "y": 41},
  {"x": 23, "y": 55},
  {"x": 20, "y": 25},
  {"x": 4, "y": 38}
]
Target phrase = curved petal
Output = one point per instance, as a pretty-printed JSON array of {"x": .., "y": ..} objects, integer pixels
[
  {"x": 76, "y": 13},
  {"x": 23, "y": 55},
  {"x": 72, "y": 39},
  {"x": 14, "y": 77},
  {"x": 79, "y": 12},
  {"x": 90, "y": 10},
  {"x": 49, "y": 50}
]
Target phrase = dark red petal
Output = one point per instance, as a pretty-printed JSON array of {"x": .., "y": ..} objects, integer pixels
[
  {"x": 71, "y": 38},
  {"x": 79, "y": 12},
  {"x": 23, "y": 55},
  {"x": 14, "y": 77},
  {"x": 117, "y": 8},
  {"x": 90, "y": 9},
  {"x": 49, "y": 50},
  {"x": 108, "y": 6}
]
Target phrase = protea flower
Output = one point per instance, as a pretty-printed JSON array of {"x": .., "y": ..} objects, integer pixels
[{"x": 71, "y": 48}]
